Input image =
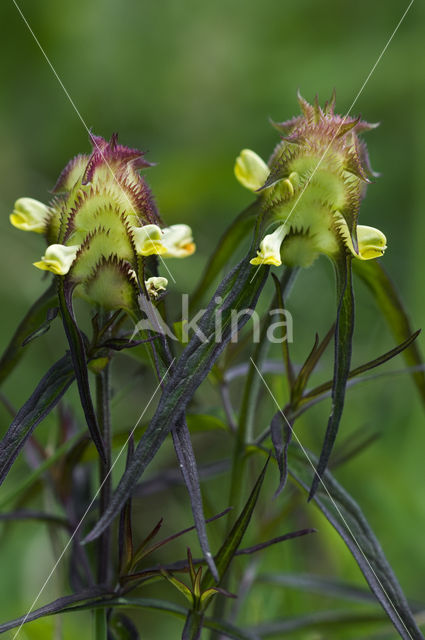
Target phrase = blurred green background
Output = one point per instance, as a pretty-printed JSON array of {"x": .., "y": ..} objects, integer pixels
[{"x": 192, "y": 83}]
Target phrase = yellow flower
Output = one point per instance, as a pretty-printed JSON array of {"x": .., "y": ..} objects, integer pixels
[
  {"x": 58, "y": 259},
  {"x": 372, "y": 243},
  {"x": 148, "y": 240},
  {"x": 30, "y": 215},
  {"x": 178, "y": 241},
  {"x": 172, "y": 242},
  {"x": 269, "y": 252}
]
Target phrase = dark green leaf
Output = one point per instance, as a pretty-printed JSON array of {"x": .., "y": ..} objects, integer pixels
[
  {"x": 40, "y": 516},
  {"x": 327, "y": 619},
  {"x": 269, "y": 543},
  {"x": 391, "y": 305},
  {"x": 30, "y": 323},
  {"x": 233, "y": 540},
  {"x": 45, "y": 397},
  {"x": 328, "y": 587},
  {"x": 372, "y": 364},
  {"x": 240, "y": 290},
  {"x": 33, "y": 477},
  {"x": 343, "y": 339},
  {"x": 79, "y": 360},
  {"x": 281, "y": 434},
  {"x": 319, "y": 584},
  {"x": 344, "y": 514},
  {"x": 82, "y": 600},
  {"x": 310, "y": 364},
  {"x": 43, "y": 328},
  {"x": 97, "y": 597},
  {"x": 189, "y": 469}
]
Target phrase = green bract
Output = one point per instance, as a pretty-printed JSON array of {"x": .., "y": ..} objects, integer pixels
[
  {"x": 312, "y": 188},
  {"x": 101, "y": 225}
]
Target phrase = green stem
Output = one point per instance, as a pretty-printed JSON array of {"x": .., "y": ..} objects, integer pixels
[
  {"x": 104, "y": 419},
  {"x": 104, "y": 543},
  {"x": 100, "y": 624},
  {"x": 244, "y": 432}
]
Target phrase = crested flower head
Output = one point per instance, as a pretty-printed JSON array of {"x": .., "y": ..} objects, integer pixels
[
  {"x": 312, "y": 187},
  {"x": 102, "y": 224}
]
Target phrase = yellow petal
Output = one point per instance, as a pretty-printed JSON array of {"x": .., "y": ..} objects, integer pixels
[
  {"x": 372, "y": 243},
  {"x": 58, "y": 259},
  {"x": 251, "y": 170},
  {"x": 269, "y": 251},
  {"x": 178, "y": 241},
  {"x": 148, "y": 240},
  {"x": 29, "y": 215}
]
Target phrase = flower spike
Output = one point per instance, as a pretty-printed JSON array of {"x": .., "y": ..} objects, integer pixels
[
  {"x": 313, "y": 185},
  {"x": 101, "y": 225}
]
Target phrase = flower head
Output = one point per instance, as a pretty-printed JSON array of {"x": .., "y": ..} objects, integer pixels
[
  {"x": 312, "y": 188},
  {"x": 102, "y": 224}
]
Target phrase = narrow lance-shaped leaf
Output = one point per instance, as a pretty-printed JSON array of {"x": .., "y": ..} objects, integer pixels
[
  {"x": 79, "y": 359},
  {"x": 281, "y": 435},
  {"x": 310, "y": 364},
  {"x": 187, "y": 462},
  {"x": 45, "y": 397},
  {"x": 372, "y": 364},
  {"x": 327, "y": 620},
  {"x": 240, "y": 290},
  {"x": 231, "y": 544},
  {"x": 322, "y": 585},
  {"x": 345, "y": 516},
  {"x": 391, "y": 305},
  {"x": 162, "y": 356},
  {"x": 32, "y": 478},
  {"x": 97, "y": 597},
  {"x": 84, "y": 599},
  {"x": 44, "y": 327},
  {"x": 30, "y": 323},
  {"x": 343, "y": 339}
]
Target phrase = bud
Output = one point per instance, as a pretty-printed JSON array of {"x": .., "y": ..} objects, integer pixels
[
  {"x": 155, "y": 285},
  {"x": 312, "y": 188},
  {"x": 30, "y": 215}
]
